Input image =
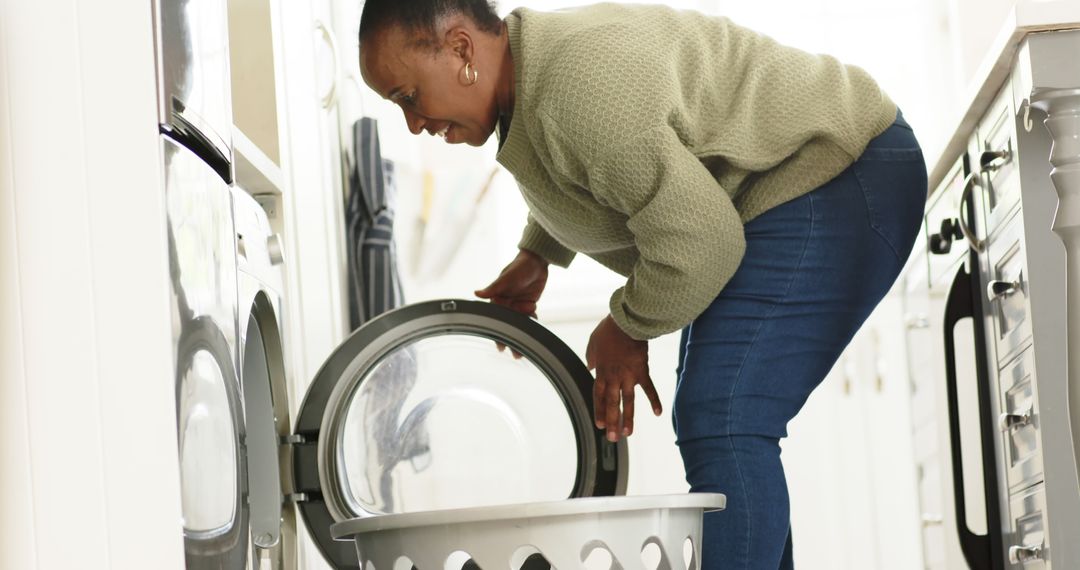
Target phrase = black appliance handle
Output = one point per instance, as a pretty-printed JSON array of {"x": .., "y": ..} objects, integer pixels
[{"x": 959, "y": 305}]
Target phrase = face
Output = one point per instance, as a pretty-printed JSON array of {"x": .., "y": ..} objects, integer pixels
[{"x": 430, "y": 86}]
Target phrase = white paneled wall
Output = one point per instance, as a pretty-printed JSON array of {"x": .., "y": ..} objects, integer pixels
[{"x": 88, "y": 459}]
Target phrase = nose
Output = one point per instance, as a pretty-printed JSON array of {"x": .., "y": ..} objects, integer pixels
[{"x": 415, "y": 121}]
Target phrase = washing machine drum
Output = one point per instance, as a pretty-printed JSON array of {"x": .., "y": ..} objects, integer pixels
[{"x": 442, "y": 405}]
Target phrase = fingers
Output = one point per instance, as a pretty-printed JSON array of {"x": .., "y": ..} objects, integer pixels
[
  {"x": 524, "y": 306},
  {"x": 502, "y": 348},
  {"x": 492, "y": 290},
  {"x": 654, "y": 398},
  {"x": 599, "y": 411},
  {"x": 615, "y": 419},
  {"x": 612, "y": 391}
]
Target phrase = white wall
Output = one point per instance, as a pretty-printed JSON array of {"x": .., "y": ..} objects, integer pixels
[{"x": 88, "y": 457}]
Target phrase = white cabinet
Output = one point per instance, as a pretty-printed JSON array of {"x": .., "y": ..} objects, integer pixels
[
  {"x": 1007, "y": 181},
  {"x": 848, "y": 458}
]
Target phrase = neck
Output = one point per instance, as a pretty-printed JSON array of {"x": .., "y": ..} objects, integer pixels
[{"x": 504, "y": 97}]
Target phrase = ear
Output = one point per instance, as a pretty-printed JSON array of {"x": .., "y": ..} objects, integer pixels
[{"x": 459, "y": 40}]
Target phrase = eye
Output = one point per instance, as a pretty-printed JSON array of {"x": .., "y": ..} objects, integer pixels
[{"x": 409, "y": 98}]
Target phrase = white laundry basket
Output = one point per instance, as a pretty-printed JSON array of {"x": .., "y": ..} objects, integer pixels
[{"x": 564, "y": 532}]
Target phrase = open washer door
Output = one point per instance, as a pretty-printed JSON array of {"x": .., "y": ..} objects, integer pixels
[{"x": 419, "y": 410}]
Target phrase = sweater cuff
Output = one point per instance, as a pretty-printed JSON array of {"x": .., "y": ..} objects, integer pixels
[
  {"x": 629, "y": 325},
  {"x": 538, "y": 241}
]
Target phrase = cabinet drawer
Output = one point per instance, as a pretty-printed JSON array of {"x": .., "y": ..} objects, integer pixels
[
  {"x": 925, "y": 441},
  {"x": 1007, "y": 291},
  {"x": 996, "y": 161},
  {"x": 930, "y": 491},
  {"x": 923, "y": 408},
  {"x": 1020, "y": 423},
  {"x": 1025, "y": 543},
  {"x": 934, "y": 547},
  {"x": 945, "y": 247}
]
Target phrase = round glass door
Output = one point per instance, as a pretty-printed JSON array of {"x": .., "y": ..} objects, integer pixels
[
  {"x": 449, "y": 421},
  {"x": 208, "y": 465},
  {"x": 210, "y": 431},
  {"x": 448, "y": 404}
]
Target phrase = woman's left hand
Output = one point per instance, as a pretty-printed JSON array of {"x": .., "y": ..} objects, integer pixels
[{"x": 620, "y": 362}]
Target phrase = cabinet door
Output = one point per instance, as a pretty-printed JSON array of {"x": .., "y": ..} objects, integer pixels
[{"x": 885, "y": 397}]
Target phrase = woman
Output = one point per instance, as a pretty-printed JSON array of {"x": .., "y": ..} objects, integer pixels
[{"x": 759, "y": 198}]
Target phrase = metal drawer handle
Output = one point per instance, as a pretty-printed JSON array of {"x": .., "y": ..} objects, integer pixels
[
  {"x": 1024, "y": 554},
  {"x": 992, "y": 160},
  {"x": 998, "y": 289},
  {"x": 941, "y": 242},
  {"x": 1008, "y": 422},
  {"x": 970, "y": 183}
]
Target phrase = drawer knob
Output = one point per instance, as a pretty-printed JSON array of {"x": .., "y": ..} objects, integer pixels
[
  {"x": 998, "y": 289},
  {"x": 1024, "y": 554},
  {"x": 994, "y": 159},
  {"x": 941, "y": 242},
  {"x": 1007, "y": 422}
]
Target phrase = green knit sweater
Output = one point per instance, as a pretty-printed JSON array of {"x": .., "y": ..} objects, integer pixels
[{"x": 644, "y": 137}]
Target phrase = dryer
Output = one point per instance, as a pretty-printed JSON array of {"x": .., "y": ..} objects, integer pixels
[
  {"x": 210, "y": 428},
  {"x": 194, "y": 121}
]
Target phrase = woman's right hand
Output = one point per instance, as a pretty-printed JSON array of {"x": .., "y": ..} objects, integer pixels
[{"x": 520, "y": 284}]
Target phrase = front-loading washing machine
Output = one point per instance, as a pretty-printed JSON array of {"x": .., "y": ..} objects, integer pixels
[
  {"x": 260, "y": 286},
  {"x": 417, "y": 410},
  {"x": 420, "y": 410}
]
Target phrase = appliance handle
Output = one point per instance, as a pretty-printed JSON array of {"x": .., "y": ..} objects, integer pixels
[
  {"x": 973, "y": 240},
  {"x": 960, "y": 305}
]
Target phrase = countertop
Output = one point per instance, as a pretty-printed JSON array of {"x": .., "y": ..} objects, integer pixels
[{"x": 1025, "y": 17}]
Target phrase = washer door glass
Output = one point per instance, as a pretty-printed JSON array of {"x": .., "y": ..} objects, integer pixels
[
  {"x": 208, "y": 458},
  {"x": 426, "y": 408},
  {"x": 450, "y": 421}
]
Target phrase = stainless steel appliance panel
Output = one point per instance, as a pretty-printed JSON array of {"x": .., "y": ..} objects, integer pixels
[{"x": 193, "y": 68}]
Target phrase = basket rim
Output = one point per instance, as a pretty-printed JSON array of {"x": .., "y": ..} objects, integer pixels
[{"x": 347, "y": 530}]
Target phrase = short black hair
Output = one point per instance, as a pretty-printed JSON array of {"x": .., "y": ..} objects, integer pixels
[{"x": 423, "y": 16}]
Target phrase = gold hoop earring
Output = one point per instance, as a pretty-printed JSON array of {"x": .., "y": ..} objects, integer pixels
[{"x": 471, "y": 75}]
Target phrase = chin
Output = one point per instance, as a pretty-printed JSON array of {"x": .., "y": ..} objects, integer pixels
[{"x": 478, "y": 142}]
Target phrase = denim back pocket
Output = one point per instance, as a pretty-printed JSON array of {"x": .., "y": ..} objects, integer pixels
[{"x": 892, "y": 175}]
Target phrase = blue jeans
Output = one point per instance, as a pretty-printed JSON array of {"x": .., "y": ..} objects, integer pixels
[{"x": 814, "y": 269}]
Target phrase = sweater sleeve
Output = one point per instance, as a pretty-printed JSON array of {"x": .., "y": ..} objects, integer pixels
[
  {"x": 685, "y": 226},
  {"x": 535, "y": 239}
]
